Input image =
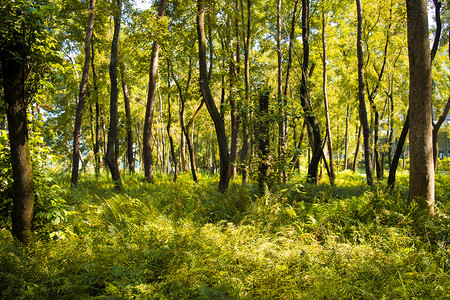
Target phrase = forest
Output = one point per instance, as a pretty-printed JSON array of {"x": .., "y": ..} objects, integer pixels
[{"x": 210, "y": 149}]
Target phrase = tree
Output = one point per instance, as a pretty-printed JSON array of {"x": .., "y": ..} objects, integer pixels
[
  {"x": 316, "y": 139},
  {"x": 209, "y": 100},
  {"x": 362, "y": 103},
  {"x": 111, "y": 149},
  {"x": 129, "y": 125},
  {"x": 244, "y": 112},
  {"x": 325, "y": 101},
  {"x": 22, "y": 38},
  {"x": 421, "y": 176},
  {"x": 82, "y": 96},
  {"x": 147, "y": 139}
]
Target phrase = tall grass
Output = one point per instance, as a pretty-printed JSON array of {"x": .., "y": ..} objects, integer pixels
[{"x": 187, "y": 241}]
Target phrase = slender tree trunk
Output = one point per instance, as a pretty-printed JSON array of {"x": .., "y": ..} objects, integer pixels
[
  {"x": 209, "y": 101},
  {"x": 185, "y": 128},
  {"x": 82, "y": 95},
  {"x": 316, "y": 140},
  {"x": 111, "y": 149},
  {"x": 443, "y": 116},
  {"x": 234, "y": 71},
  {"x": 421, "y": 175},
  {"x": 245, "y": 113},
  {"x": 98, "y": 161},
  {"x": 139, "y": 144},
  {"x": 150, "y": 108},
  {"x": 129, "y": 124},
  {"x": 362, "y": 103},
  {"x": 325, "y": 100},
  {"x": 169, "y": 123},
  {"x": 263, "y": 141},
  {"x": 13, "y": 72},
  {"x": 346, "y": 139},
  {"x": 358, "y": 143},
  {"x": 281, "y": 103}
]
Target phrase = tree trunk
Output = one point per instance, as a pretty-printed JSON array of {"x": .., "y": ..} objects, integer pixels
[
  {"x": 358, "y": 143},
  {"x": 393, "y": 167},
  {"x": 209, "y": 101},
  {"x": 150, "y": 108},
  {"x": 263, "y": 141},
  {"x": 245, "y": 113},
  {"x": 97, "y": 160},
  {"x": 82, "y": 95},
  {"x": 129, "y": 124},
  {"x": 234, "y": 71},
  {"x": 346, "y": 139},
  {"x": 111, "y": 153},
  {"x": 13, "y": 64},
  {"x": 362, "y": 103},
  {"x": 169, "y": 123},
  {"x": 316, "y": 141},
  {"x": 421, "y": 175},
  {"x": 325, "y": 100},
  {"x": 282, "y": 142}
]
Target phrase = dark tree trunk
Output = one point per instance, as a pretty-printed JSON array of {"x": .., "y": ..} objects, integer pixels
[
  {"x": 111, "y": 153},
  {"x": 346, "y": 139},
  {"x": 129, "y": 124},
  {"x": 169, "y": 123},
  {"x": 234, "y": 72},
  {"x": 185, "y": 128},
  {"x": 97, "y": 160},
  {"x": 209, "y": 101},
  {"x": 444, "y": 114},
  {"x": 14, "y": 64},
  {"x": 263, "y": 141},
  {"x": 245, "y": 113},
  {"x": 316, "y": 141},
  {"x": 82, "y": 96},
  {"x": 358, "y": 145},
  {"x": 436, "y": 128},
  {"x": 150, "y": 108},
  {"x": 325, "y": 100},
  {"x": 282, "y": 142},
  {"x": 421, "y": 175},
  {"x": 362, "y": 103},
  {"x": 398, "y": 153}
]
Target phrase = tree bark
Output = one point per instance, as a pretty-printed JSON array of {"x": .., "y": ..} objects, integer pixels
[
  {"x": 394, "y": 164},
  {"x": 82, "y": 95},
  {"x": 13, "y": 65},
  {"x": 316, "y": 141},
  {"x": 421, "y": 175},
  {"x": 129, "y": 124},
  {"x": 358, "y": 143},
  {"x": 209, "y": 101},
  {"x": 362, "y": 103},
  {"x": 263, "y": 141},
  {"x": 282, "y": 142},
  {"x": 245, "y": 113},
  {"x": 150, "y": 107},
  {"x": 234, "y": 71},
  {"x": 325, "y": 100},
  {"x": 111, "y": 153},
  {"x": 346, "y": 139}
]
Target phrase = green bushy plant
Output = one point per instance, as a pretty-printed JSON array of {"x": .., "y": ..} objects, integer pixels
[{"x": 50, "y": 208}]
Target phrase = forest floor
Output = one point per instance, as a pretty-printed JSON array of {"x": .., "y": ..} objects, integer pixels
[{"x": 187, "y": 241}]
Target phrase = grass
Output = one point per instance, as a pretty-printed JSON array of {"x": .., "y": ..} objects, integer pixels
[{"x": 187, "y": 241}]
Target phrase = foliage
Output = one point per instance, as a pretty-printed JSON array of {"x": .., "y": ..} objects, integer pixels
[
  {"x": 187, "y": 241},
  {"x": 50, "y": 208}
]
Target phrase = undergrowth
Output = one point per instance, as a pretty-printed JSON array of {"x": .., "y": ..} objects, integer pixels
[{"x": 185, "y": 240}]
